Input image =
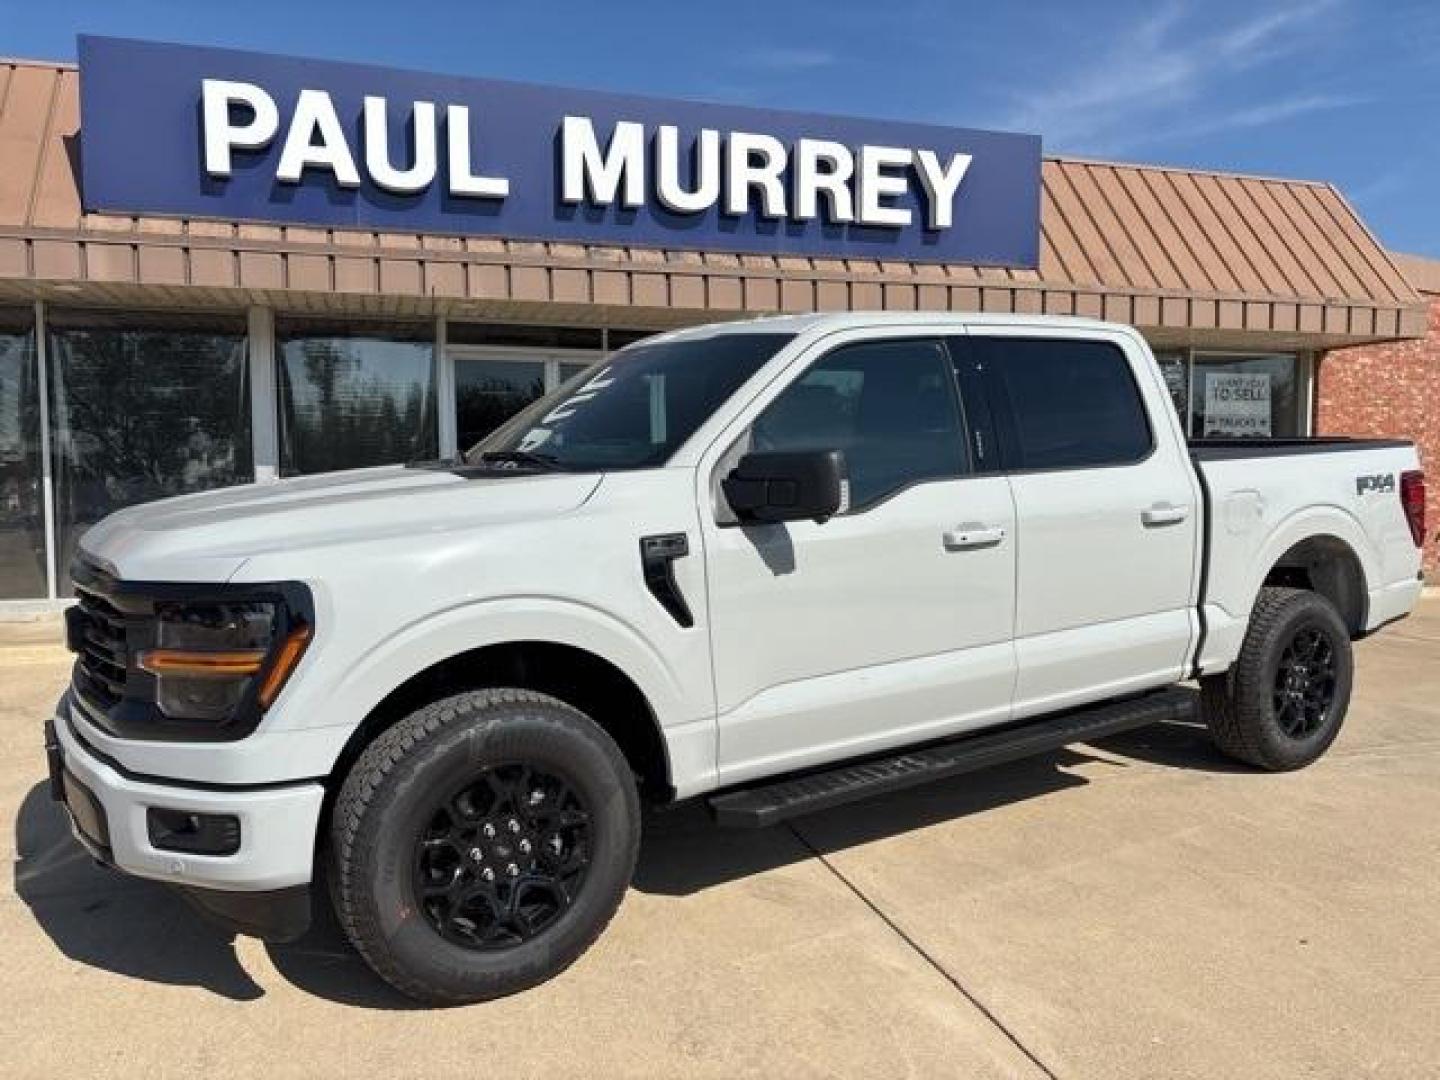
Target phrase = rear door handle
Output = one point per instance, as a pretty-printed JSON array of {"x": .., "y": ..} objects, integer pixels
[
  {"x": 1164, "y": 514},
  {"x": 964, "y": 537}
]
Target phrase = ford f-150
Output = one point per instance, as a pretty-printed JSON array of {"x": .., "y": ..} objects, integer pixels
[{"x": 777, "y": 565}]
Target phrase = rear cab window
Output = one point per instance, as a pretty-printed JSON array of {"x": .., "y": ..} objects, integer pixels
[{"x": 1063, "y": 403}]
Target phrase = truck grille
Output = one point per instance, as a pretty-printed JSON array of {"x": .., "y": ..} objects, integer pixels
[{"x": 98, "y": 636}]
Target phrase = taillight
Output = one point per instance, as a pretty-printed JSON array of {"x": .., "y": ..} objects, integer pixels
[{"x": 1412, "y": 498}]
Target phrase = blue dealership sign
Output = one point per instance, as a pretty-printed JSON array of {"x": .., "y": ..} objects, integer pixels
[{"x": 198, "y": 132}]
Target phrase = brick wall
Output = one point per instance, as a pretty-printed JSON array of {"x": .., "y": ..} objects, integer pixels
[{"x": 1390, "y": 390}]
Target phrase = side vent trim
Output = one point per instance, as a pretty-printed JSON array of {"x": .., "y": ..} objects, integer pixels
[{"x": 657, "y": 559}]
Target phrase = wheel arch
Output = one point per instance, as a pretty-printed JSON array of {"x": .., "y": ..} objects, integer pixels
[
  {"x": 573, "y": 652},
  {"x": 1329, "y": 565},
  {"x": 580, "y": 678}
]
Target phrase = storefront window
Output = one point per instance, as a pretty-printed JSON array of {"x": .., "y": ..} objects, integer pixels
[
  {"x": 502, "y": 367},
  {"x": 22, "y": 523},
  {"x": 490, "y": 391},
  {"x": 354, "y": 395},
  {"x": 1245, "y": 396},
  {"x": 143, "y": 409},
  {"x": 1222, "y": 395},
  {"x": 1172, "y": 367}
]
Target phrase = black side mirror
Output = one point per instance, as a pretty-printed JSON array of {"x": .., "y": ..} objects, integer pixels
[{"x": 786, "y": 486}]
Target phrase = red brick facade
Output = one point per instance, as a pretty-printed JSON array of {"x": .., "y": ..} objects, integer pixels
[{"x": 1390, "y": 390}]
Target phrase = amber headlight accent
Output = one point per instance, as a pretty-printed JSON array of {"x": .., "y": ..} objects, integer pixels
[
  {"x": 207, "y": 656},
  {"x": 294, "y": 646},
  {"x": 177, "y": 663}
]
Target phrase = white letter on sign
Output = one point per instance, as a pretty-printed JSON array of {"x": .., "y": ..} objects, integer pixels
[
  {"x": 706, "y": 181},
  {"x": 940, "y": 185},
  {"x": 377, "y": 149},
  {"x": 462, "y": 180},
  {"x": 315, "y": 114},
  {"x": 222, "y": 136},
  {"x": 832, "y": 181},
  {"x": 875, "y": 185},
  {"x": 743, "y": 173},
  {"x": 587, "y": 173}
]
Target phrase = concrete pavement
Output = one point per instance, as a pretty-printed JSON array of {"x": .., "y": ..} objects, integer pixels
[{"x": 1138, "y": 908}]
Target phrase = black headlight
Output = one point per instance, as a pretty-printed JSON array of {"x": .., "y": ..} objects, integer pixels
[
  {"x": 180, "y": 660},
  {"x": 207, "y": 656}
]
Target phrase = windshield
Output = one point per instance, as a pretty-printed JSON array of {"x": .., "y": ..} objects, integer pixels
[{"x": 631, "y": 410}]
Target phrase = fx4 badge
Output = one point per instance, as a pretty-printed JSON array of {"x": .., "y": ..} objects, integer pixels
[{"x": 1379, "y": 483}]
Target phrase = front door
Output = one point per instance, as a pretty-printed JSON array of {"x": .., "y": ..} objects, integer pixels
[{"x": 888, "y": 623}]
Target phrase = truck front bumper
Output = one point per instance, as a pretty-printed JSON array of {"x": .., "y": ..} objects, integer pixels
[{"x": 256, "y": 878}]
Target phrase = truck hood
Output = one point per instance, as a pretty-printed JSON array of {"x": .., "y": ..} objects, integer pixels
[{"x": 208, "y": 536}]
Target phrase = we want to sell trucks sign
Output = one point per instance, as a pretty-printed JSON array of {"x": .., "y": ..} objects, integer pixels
[
  {"x": 197, "y": 132},
  {"x": 1237, "y": 404}
]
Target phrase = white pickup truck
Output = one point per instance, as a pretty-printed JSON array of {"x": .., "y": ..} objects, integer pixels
[{"x": 778, "y": 564}]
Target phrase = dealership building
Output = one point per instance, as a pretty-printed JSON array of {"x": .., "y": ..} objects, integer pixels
[{"x": 210, "y": 276}]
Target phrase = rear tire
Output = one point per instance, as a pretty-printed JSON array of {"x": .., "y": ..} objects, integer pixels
[
  {"x": 482, "y": 844},
  {"x": 1283, "y": 701}
]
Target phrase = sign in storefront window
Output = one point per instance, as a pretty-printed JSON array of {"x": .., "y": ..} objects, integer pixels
[
  {"x": 22, "y": 525},
  {"x": 143, "y": 409},
  {"x": 1245, "y": 396},
  {"x": 1237, "y": 404}
]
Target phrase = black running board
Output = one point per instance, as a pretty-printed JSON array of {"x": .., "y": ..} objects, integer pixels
[{"x": 773, "y": 802}]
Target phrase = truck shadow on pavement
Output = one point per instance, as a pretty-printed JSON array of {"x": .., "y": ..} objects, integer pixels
[
  {"x": 143, "y": 930},
  {"x": 113, "y": 922}
]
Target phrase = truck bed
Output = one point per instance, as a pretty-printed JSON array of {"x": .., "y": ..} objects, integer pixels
[
  {"x": 1214, "y": 449},
  {"x": 1265, "y": 497}
]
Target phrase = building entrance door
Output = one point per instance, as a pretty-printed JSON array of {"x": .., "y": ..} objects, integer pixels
[{"x": 492, "y": 384}]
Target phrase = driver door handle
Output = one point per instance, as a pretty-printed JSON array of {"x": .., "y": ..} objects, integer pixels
[
  {"x": 972, "y": 535},
  {"x": 1164, "y": 514}
]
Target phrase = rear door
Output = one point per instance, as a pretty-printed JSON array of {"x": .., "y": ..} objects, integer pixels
[{"x": 1107, "y": 513}]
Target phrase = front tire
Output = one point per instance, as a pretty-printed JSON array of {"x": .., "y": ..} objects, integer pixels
[
  {"x": 482, "y": 844},
  {"x": 1283, "y": 701}
]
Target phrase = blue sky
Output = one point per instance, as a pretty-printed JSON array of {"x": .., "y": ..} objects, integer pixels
[{"x": 1339, "y": 90}]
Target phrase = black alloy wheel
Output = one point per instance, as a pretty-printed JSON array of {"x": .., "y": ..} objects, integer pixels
[
  {"x": 1283, "y": 700},
  {"x": 1305, "y": 682},
  {"x": 481, "y": 844},
  {"x": 502, "y": 857}
]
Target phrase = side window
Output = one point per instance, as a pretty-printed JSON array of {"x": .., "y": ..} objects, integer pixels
[
  {"x": 890, "y": 406},
  {"x": 1071, "y": 404}
]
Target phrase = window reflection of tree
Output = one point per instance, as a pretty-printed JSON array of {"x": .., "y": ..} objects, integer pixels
[
  {"x": 349, "y": 403},
  {"x": 141, "y": 415},
  {"x": 22, "y": 529}
]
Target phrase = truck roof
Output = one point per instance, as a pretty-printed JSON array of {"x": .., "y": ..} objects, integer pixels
[{"x": 840, "y": 320}]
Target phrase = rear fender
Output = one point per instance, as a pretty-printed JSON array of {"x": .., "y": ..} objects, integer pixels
[{"x": 1307, "y": 524}]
